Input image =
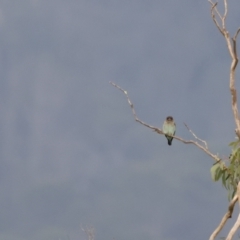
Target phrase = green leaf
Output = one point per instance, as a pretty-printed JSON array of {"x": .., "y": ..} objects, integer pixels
[
  {"x": 233, "y": 157},
  {"x": 213, "y": 171},
  {"x": 234, "y": 144},
  {"x": 219, "y": 173},
  {"x": 238, "y": 154},
  {"x": 232, "y": 168},
  {"x": 224, "y": 179},
  {"x": 231, "y": 144},
  {"x": 228, "y": 176},
  {"x": 221, "y": 165}
]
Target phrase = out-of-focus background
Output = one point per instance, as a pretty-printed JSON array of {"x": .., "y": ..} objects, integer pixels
[{"x": 71, "y": 154}]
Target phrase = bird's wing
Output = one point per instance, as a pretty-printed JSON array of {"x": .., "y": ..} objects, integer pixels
[{"x": 165, "y": 128}]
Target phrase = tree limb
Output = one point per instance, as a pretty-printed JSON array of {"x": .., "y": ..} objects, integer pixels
[
  {"x": 231, "y": 45},
  {"x": 134, "y": 112},
  {"x": 199, "y": 139},
  {"x": 225, "y": 14},
  {"x": 158, "y": 130},
  {"x": 90, "y": 232},
  {"x": 225, "y": 218},
  {"x": 237, "y": 223},
  {"x": 214, "y": 8}
]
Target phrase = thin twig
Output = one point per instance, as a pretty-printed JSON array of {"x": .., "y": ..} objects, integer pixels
[
  {"x": 133, "y": 110},
  {"x": 158, "y": 130},
  {"x": 199, "y": 139},
  {"x": 236, "y": 34},
  {"x": 234, "y": 40},
  {"x": 225, "y": 218},
  {"x": 224, "y": 15},
  {"x": 90, "y": 232},
  {"x": 214, "y": 8}
]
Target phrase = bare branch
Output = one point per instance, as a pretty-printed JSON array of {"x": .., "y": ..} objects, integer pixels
[
  {"x": 237, "y": 223},
  {"x": 222, "y": 28},
  {"x": 233, "y": 53},
  {"x": 232, "y": 48},
  {"x": 134, "y": 112},
  {"x": 224, "y": 15},
  {"x": 204, "y": 142},
  {"x": 90, "y": 232},
  {"x": 225, "y": 218},
  {"x": 158, "y": 130},
  {"x": 214, "y": 8},
  {"x": 214, "y": 5},
  {"x": 234, "y": 41},
  {"x": 236, "y": 34}
]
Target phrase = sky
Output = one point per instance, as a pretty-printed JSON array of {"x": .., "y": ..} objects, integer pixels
[{"x": 73, "y": 157}]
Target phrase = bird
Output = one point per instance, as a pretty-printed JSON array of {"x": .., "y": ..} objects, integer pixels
[{"x": 169, "y": 129}]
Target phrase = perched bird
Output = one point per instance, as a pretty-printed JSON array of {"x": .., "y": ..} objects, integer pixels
[{"x": 169, "y": 129}]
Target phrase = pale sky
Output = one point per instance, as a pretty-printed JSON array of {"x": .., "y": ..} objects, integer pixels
[{"x": 72, "y": 154}]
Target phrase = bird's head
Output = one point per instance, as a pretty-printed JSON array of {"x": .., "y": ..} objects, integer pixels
[{"x": 169, "y": 118}]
